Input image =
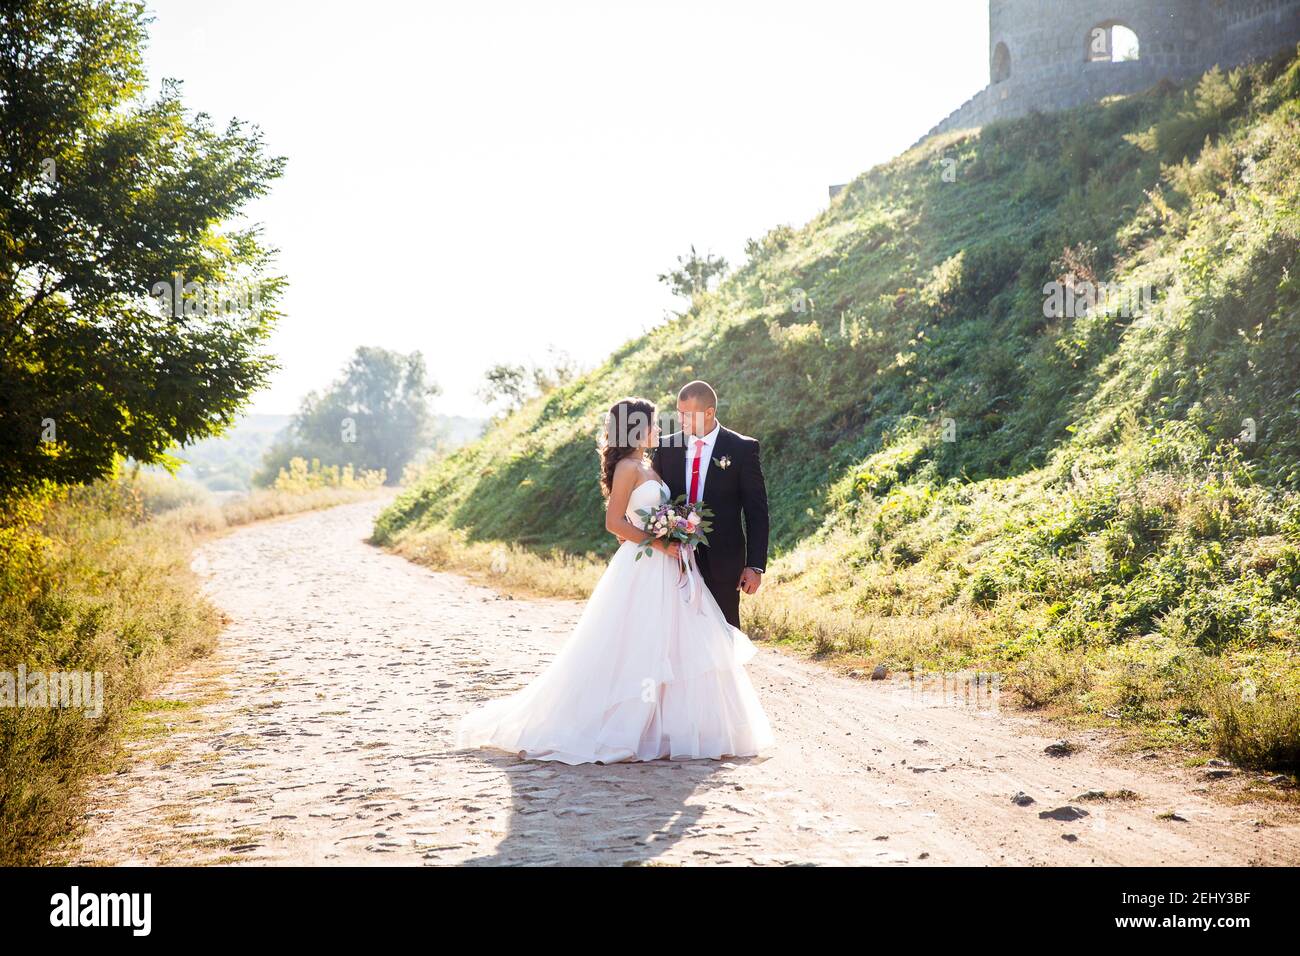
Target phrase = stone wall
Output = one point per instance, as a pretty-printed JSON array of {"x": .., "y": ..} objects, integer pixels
[{"x": 1046, "y": 44}]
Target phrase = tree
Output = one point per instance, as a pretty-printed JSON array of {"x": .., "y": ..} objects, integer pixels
[
  {"x": 559, "y": 369},
  {"x": 377, "y": 415},
  {"x": 512, "y": 385},
  {"x": 694, "y": 273},
  {"x": 130, "y": 318},
  {"x": 505, "y": 383}
]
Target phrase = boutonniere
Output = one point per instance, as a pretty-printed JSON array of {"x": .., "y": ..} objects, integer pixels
[{"x": 724, "y": 462}]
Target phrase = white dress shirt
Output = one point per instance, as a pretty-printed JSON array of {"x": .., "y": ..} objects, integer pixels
[{"x": 706, "y": 455}]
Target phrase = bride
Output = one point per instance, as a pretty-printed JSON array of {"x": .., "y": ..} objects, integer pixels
[{"x": 644, "y": 674}]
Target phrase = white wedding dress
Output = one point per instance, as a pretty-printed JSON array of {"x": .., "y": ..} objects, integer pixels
[{"x": 645, "y": 674}]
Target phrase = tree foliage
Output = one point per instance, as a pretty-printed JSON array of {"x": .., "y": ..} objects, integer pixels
[
  {"x": 694, "y": 273},
  {"x": 511, "y": 385},
  {"x": 376, "y": 416},
  {"x": 106, "y": 199}
]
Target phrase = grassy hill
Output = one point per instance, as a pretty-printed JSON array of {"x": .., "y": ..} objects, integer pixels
[{"x": 1103, "y": 506}]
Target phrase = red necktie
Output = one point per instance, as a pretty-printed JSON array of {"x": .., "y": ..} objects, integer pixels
[{"x": 694, "y": 496}]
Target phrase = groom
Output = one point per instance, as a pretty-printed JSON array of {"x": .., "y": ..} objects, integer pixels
[{"x": 707, "y": 462}]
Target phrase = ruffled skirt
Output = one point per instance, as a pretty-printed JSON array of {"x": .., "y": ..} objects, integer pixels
[{"x": 644, "y": 675}]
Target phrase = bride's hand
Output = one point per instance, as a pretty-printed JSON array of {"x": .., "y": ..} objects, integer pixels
[{"x": 673, "y": 549}]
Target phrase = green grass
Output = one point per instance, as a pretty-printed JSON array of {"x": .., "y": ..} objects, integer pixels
[{"x": 1103, "y": 507}]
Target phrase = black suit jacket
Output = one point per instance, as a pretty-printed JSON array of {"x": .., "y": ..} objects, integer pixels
[{"x": 730, "y": 493}]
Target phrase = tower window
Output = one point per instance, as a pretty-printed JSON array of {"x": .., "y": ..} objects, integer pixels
[
  {"x": 1001, "y": 63},
  {"x": 1111, "y": 43}
]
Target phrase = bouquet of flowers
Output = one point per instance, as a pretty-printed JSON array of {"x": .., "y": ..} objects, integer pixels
[{"x": 676, "y": 521}]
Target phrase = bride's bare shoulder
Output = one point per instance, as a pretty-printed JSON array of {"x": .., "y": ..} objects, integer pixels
[
  {"x": 633, "y": 473},
  {"x": 627, "y": 470}
]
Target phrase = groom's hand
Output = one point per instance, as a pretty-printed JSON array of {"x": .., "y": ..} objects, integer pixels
[{"x": 750, "y": 580}]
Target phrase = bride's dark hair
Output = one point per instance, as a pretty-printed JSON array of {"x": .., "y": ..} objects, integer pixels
[{"x": 627, "y": 425}]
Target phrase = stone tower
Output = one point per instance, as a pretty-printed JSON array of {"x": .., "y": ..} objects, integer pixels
[{"x": 1054, "y": 54}]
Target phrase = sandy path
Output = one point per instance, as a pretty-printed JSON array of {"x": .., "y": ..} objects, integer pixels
[{"x": 320, "y": 729}]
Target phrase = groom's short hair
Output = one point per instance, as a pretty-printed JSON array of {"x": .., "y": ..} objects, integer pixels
[{"x": 702, "y": 391}]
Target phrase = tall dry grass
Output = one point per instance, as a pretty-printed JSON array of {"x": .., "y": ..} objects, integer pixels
[
  {"x": 101, "y": 590},
  {"x": 98, "y": 579},
  {"x": 508, "y": 568}
]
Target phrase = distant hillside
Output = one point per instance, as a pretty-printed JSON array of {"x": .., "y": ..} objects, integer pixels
[
  {"x": 956, "y": 475},
  {"x": 453, "y": 431},
  {"x": 228, "y": 463}
]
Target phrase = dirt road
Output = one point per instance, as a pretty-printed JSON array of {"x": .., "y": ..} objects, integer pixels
[{"x": 319, "y": 734}]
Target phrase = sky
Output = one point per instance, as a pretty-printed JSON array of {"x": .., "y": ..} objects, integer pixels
[{"x": 485, "y": 181}]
